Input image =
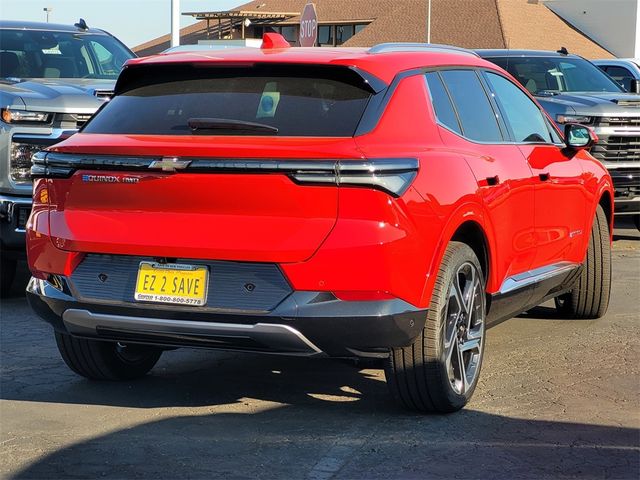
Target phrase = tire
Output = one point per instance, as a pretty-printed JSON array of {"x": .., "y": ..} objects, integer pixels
[
  {"x": 426, "y": 376},
  {"x": 7, "y": 275},
  {"x": 636, "y": 220},
  {"x": 98, "y": 360},
  {"x": 590, "y": 296}
]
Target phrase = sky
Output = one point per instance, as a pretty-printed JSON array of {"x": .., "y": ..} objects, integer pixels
[{"x": 132, "y": 21}]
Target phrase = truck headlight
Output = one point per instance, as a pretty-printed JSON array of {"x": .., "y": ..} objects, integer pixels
[
  {"x": 24, "y": 116},
  {"x": 574, "y": 119},
  {"x": 20, "y": 161}
]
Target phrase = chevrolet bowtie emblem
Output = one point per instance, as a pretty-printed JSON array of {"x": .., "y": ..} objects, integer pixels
[{"x": 170, "y": 164}]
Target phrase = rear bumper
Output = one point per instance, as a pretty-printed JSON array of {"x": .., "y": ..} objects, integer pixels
[{"x": 304, "y": 323}]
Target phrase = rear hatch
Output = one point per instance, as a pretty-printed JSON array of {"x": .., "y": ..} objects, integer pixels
[{"x": 226, "y": 163}]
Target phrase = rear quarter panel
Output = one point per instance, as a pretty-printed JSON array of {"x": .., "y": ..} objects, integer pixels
[{"x": 443, "y": 195}]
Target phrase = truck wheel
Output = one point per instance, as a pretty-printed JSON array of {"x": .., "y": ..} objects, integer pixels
[
  {"x": 7, "y": 274},
  {"x": 439, "y": 372},
  {"x": 98, "y": 360},
  {"x": 590, "y": 296}
]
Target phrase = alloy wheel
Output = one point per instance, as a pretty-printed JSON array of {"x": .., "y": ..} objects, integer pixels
[{"x": 464, "y": 325}]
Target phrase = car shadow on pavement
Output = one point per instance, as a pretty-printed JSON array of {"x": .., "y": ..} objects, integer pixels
[
  {"x": 303, "y": 418},
  {"x": 542, "y": 312},
  {"x": 276, "y": 444},
  {"x": 546, "y": 312}
]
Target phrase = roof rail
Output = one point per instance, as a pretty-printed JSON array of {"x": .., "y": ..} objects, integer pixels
[{"x": 418, "y": 47}]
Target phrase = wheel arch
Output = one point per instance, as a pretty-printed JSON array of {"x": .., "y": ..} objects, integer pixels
[
  {"x": 467, "y": 226},
  {"x": 606, "y": 202},
  {"x": 472, "y": 234}
]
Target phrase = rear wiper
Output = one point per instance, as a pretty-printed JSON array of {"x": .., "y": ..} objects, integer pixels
[{"x": 232, "y": 126}]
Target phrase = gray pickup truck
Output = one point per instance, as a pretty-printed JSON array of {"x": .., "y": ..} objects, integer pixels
[
  {"x": 571, "y": 89},
  {"x": 52, "y": 79}
]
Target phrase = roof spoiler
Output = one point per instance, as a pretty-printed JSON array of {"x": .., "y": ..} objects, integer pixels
[{"x": 136, "y": 75}]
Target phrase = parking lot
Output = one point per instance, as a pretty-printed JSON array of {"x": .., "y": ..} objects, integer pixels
[{"x": 556, "y": 399}]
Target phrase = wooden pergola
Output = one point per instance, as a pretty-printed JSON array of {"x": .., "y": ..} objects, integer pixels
[{"x": 232, "y": 16}]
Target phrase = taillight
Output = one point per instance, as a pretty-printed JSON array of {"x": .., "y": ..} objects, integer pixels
[{"x": 391, "y": 175}]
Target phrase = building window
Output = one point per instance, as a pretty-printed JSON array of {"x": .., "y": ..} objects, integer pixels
[
  {"x": 328, "y": 35},
  {"x": 343, "y": 33},
  {"x": 289, "y": 32},
  {"x": 325, "y": 36}
]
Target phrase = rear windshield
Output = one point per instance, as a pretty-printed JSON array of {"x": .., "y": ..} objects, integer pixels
[{"x": 284, "y": 100}]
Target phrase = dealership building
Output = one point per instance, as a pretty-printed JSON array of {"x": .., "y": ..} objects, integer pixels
[{"x": 515, "y": 24}]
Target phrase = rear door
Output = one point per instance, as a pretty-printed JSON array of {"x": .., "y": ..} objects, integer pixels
[{"x": 560, "y": 202}]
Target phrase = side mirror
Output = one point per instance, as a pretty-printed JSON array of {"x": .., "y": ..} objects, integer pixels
[
  {"x": 634, "y": 87},
  {"x": 579, "y": 137}
]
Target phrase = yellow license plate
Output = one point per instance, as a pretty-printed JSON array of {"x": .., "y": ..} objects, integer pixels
[{"x": 172, "y": 283}]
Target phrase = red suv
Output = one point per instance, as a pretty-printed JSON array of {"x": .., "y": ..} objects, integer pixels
[{"x": 390, "y": 202}]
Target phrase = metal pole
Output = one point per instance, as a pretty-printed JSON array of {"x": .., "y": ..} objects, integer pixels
[
  {"x": 175, "y": 23},
  {"x": 428, "y": 21}
]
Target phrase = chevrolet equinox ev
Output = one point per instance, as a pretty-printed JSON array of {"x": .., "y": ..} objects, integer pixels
[{"x": 389, "y": 203}]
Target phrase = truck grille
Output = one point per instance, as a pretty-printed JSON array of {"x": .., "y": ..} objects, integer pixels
[
  {"x": 71, "y": 120},
  {"x": 81, "y": 119},
  {"x": 618, "y": 122},
  {"x": 617, "y": 149},
  {"x": 626, "y": 181},
  {"x": 103, "y": 94},
  {"x": 628, "y": 103},
  {"x": 23, "y": 215}
]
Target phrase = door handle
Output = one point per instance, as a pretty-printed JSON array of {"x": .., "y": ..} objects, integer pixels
[
  {"x": 544, "y": 177},
  {"x": 489, "y": 181}
]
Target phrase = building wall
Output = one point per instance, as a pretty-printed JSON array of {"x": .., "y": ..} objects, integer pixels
[{"x": 614, "y": 24}]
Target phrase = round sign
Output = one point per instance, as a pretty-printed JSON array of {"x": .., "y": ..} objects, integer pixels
[{"x": 308, "y": 26}]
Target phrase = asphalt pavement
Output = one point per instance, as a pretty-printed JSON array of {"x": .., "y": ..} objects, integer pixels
[{"x": 556, "y": 399}]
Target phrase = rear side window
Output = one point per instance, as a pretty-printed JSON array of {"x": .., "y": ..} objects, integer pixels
[
  {"x": 285, "y": 100},
  {"x": 522, "y": 116},
  {"x": 620, "y": 75},
  {"x": 442, "y": 103},
  {"x": 476, "y": 115}
]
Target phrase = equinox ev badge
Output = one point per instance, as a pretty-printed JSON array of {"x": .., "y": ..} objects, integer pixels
[
  {"x": 170, "y": 164},
  {"x": 110, "y": 179}
]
